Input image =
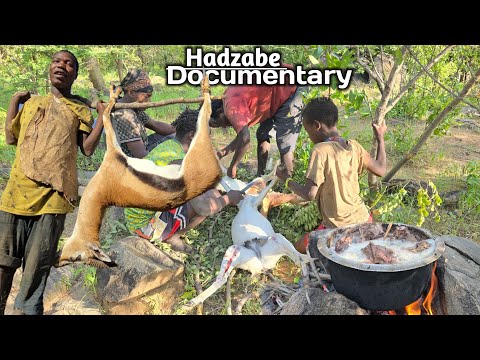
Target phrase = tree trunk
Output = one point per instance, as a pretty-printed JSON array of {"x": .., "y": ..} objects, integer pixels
[
  {"x": 119, "y": 62},
  {"x": 96, "y": 77},
  {"x": 428, "y": 131},
  {"x": 382, "y": 109}
]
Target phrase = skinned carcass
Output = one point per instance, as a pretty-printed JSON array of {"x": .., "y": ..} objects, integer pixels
[{"x": 257, "y": 247}]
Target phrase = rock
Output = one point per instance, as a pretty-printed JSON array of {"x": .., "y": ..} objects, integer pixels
[
  {"x": 321, "y": 303},
  {"x": 85, "y": 176},
  {"x": 411, "y": 186},
  {"x": 458, "y": 272},
  {"x": 142, "y": 270},
  {"x": 64, "y": 294},
  {"x": 156, "y": 302},
  {"x": 451, "y": 198},
  {"x": 471, "y": 124}
]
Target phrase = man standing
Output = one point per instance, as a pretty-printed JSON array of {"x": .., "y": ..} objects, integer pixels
[
  {"x": 42, "y": 187},
  {"x": 273, "y": 107}
]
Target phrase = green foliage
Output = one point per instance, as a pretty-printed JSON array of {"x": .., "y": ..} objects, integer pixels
[
  {"x": 470, "y": 199},
  {"x": 428, "y": 203},
  {"x": 88, "y": 276},
  {"x": 400, "y": 139},
  {"x": 116, "y": 229},
  {"x": 302, "y": 156},
  {"x": 307, "y": 217},
  {"x": 387, "y": 203},
  {"x": 93, "y": 162}
]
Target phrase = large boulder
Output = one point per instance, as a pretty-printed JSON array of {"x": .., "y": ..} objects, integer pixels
[
  {"x": 458, "y": 274},
  {"x": 143, "y": 271}
]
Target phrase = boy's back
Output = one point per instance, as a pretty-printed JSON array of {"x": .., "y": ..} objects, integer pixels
[{"x": 335, "y": 170}]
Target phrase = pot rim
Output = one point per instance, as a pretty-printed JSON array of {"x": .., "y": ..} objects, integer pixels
[{"x": 331, "y": 254}]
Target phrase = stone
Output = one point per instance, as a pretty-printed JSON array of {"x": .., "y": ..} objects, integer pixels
[
  {"x": 321, "y": 303},
  {"x": 142, "y": 267},
  {"x": 458, "y": 274}
]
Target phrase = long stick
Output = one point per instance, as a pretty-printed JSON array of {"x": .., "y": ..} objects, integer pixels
[{"x": 146, "y": 105}]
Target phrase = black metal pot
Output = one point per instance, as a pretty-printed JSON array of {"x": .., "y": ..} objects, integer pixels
[{"x": 380, "y": 286}]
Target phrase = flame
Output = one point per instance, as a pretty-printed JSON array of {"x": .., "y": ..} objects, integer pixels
[
  {"x": 415, "y": 308},
  {"x": 427, "y": 303}
]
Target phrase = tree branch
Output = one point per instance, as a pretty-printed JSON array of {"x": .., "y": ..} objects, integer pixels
[
  {"x": 438, "y": 82},
  {"x": 381, "y": 61},
  {"x": 361, "y": 61},
  {"x": 428, "y": 131},
  {"x": 415, "y": 78},
  {"x": 146, "y": 105},
  {"x": 382, "y": 110},
  {"x": 374, "y": 67}
]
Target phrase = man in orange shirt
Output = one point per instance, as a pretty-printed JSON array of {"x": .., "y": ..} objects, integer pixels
[{"x": 273, "y": 107}]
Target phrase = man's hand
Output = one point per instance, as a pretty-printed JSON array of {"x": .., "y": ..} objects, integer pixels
[
  {"x": 235, "y": 196},
  {"x": 221, "y": 153},
  {"x": 232, "y": 172},
  {"x": 282, "y": 173},
  {"x": 22, "y": 96},
  {"x": 379, "y": 130},
  {"x": 100, "y": 107}
]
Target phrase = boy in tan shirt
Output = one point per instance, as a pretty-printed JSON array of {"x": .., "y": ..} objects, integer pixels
[{"x": 334, "y": 169}]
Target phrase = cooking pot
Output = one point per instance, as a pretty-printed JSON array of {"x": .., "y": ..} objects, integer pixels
[{"x": 380, "y": 286}]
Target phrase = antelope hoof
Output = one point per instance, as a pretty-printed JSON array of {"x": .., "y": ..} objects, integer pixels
[{"x": 93, "y": 256}]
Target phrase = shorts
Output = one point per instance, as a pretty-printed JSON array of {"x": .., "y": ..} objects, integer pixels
[
  {"x": 164, "y": 224},
  {"x": 286, "y": 122}
]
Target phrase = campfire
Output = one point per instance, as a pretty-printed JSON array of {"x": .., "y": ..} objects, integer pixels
[
  {"x": 443, "y": 282},
  {"x": 422, "y": 306},
  {"x": 381, "y": 267}
]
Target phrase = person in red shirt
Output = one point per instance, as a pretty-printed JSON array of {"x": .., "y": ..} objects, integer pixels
[{"x": 273, "y": 107}]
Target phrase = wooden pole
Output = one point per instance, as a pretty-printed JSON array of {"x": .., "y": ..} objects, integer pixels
[{"x": 146, "y": 105}]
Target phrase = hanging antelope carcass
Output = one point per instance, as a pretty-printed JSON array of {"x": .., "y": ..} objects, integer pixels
[
  {"x": 129, "y": 182},
  {"x": 257, "y": 247}
]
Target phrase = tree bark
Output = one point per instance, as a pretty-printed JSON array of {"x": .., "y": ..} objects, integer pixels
[
  {"x": 428, "y": 131},
  {"x": 119, "y": 62},
  {"x": 96, "y": 77},
  {"x": 381, "y": 111},
  {"x": 374, "y": 76}
]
